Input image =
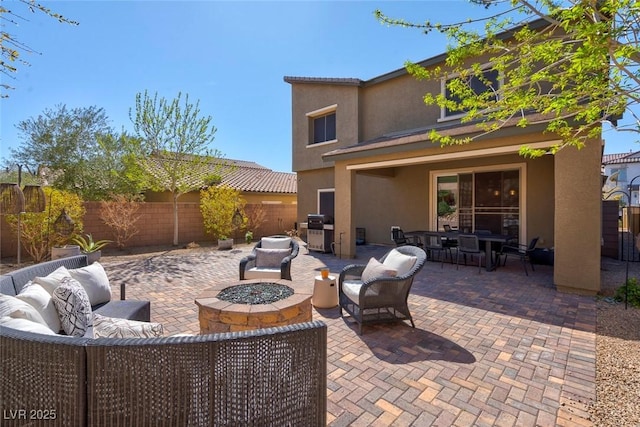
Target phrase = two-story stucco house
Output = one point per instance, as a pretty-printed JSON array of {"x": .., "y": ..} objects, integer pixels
[{"x": 362, "y": 149}]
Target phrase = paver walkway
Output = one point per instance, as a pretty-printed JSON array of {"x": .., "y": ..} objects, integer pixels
[{"x": 490, "y": 349}]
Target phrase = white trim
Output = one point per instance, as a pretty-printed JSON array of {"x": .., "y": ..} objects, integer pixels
[
  {"x": 521, "y": 167},
  {"x": 322, "y": 111},
  {"x": 320, "y": 144},
  {"x": 483, "y": 152}
]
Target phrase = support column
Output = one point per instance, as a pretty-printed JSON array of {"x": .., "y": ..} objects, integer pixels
[
  {"x": 344, "y": 231},
  {"x": 577, "y": 219}
]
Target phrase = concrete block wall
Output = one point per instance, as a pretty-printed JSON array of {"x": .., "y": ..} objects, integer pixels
[{"x": 156, "y": 225}]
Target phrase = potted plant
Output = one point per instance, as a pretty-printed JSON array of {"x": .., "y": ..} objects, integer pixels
[
  {"x": 225, "y": 242},
  {"x": 90, "y": 247}
]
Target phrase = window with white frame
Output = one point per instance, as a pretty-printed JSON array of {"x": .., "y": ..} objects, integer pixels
[
  {"x": 322, "y": 125},
  {"x": 489, "y": 82}
]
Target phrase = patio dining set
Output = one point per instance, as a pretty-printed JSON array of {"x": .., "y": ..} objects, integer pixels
[{"x": 494, "y": 248}]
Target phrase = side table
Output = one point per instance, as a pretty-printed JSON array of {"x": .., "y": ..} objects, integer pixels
[{"x": 325, "y": 292}]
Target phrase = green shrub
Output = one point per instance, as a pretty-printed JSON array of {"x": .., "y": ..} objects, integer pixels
[{"x": 632, "y": 290}]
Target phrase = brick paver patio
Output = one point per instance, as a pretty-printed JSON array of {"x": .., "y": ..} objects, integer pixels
[{"x": 490, "y": 349}]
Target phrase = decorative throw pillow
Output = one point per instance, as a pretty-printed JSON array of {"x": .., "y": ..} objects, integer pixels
[
  {"x": 11, "y": 306},
  {"x": 74, "y": 307},
  {"x": 52, "y": 281},
  {"x": 94, "y": 280},
  {"x": 41, "y": 300},
  {"x": 275, "y": 242},
  {"x": 111, "y": 327},
  {"x": 376, "y": 270},
  {"x": 271, "y": 257},
  {"x": 25, "y": 325},
  {"x": 400, "y": 262}
]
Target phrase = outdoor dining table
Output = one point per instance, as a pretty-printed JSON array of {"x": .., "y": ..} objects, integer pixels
[{"x": 487, "y": 238}]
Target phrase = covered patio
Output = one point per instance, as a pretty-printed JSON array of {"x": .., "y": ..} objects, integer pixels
[{"x": 497, "y": 348}]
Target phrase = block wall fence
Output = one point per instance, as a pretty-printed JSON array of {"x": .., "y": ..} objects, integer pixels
[{"x": 156, "y": 225}]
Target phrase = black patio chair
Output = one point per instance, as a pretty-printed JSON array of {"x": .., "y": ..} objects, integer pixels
[{"x": 521, "y": 251}]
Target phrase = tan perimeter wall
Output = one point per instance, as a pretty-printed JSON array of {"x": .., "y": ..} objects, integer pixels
[{"x": 156, "y": 225}]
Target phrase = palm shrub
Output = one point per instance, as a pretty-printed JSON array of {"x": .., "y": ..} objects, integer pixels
[{"x": 37, "y": 232}]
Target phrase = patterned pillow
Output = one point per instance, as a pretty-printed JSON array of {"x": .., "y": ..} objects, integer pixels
[
  {"x": 111, "y": 327},
  {"x": 271, "y": 257},
  {"x": 74, "y": 307},
  {"x": 375, "y": 270}
]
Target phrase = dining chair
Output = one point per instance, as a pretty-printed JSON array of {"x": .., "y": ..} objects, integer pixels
[
  {"x": 433, "y": 243},
  {"x": 521, "y": 251},
  {"x": 400, "y": 239},
  {"x": 469, "y": 244}
]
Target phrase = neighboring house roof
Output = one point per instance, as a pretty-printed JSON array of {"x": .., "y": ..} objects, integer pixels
[
  {"x": 241, "y": 175},
  {"x": 621, "y": 158}
]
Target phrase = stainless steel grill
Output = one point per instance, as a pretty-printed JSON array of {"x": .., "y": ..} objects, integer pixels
[{"x": 319, "y": 232}]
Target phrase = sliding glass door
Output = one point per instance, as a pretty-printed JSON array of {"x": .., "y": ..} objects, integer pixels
[{"x": 483, "y": 200}]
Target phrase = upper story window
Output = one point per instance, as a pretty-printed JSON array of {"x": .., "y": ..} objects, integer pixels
[
  {"x": 489, "y": 82},
  {"x": 322, "y": 125}
]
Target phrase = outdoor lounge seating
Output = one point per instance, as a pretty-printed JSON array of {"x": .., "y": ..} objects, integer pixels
[
  {"x": 401, "y": 239},
  {"x": 274, "y": 376},
  {"x": 378, "y": 291},
  {"x": 270, "y": 258}
]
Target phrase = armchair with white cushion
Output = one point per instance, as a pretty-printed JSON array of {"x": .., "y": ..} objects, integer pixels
[
  {"x": 378, "y": 291},
  {"x": 270, "y": 259}
]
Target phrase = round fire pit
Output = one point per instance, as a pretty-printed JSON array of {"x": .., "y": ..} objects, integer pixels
[{"x": 253, "y": 304}]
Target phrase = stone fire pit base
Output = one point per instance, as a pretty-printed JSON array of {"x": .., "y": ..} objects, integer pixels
[{"x": 217, "y": 316}]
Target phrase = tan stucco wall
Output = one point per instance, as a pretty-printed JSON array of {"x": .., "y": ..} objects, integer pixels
[
  {"x": 307, "y": 98},
  {"x": 396, "y": 105},
  {"x": 578, "y": 217},
  {"x": 308, "y": 184}
]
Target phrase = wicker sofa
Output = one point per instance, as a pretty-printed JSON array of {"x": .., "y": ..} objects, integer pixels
[
  {"x": 274, "y": 376},
  {"x": 12, "y": 282}
]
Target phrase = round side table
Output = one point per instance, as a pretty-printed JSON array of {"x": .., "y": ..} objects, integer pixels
[{"x": 325, "y": 292}]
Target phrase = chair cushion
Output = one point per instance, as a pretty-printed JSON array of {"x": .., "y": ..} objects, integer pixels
[
  {"x": 41, "y": 300},
  {"x": 11, "y": 306},
  {"x": 125, "y": 309},
  {"x": 351, "y": 289},
  {"x": 400, "y": 262},
  {"x": 375, "y": 270},
  {"x": 74, "y": 308},
  {"x": 275, "y": 242},
  {"x": 25, "y": 325},
  {"x": 112, "y": 327},
  {"x": 52, "y": 281},
  {"x": 271, "y": 257},
  {"x": 94, "y": 280}
]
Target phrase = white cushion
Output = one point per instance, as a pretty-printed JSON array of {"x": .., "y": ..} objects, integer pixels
[
  {"x": 400, "y": 262},
  {"x": 25, "y": 325},
  {"x": 111, "y": 327},
  {"x": 351, "y": 289},
  {"x": 11, "y": 306},
  {"x": 94, "y": 280},
  {"x": 52, "y": 281},
  {"x": 375, "y": 270},
  {"x": 74, "y": 308},
  {"x": 275, "y": 242},
  {"x": 41, "y": 300},
  {"x": 271, "y": 257}
]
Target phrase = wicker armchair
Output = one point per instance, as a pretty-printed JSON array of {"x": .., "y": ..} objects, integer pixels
[
  {"x": 251, "y": 266},
  {"x": 382, "y": 298}
]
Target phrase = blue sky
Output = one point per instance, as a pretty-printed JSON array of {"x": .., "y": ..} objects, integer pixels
[{"x": 231, "y": 56}]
